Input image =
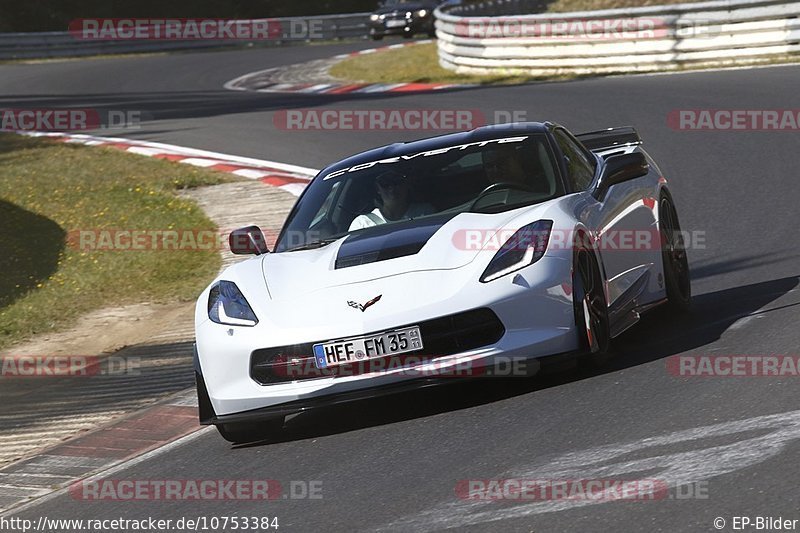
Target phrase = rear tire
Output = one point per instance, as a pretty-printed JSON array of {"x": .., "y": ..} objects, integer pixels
[
  {"x": 677, "y": 280},
  {"x": 591, "y": 309},
  {"x": 251, "y": 432}
]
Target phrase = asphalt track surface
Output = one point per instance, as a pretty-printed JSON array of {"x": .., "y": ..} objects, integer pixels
[{"x": 394, "y": 463}]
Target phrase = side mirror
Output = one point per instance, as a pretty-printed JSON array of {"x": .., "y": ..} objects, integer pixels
[
  {"x": 621, "y": 168},
  {"x": 248, "y": 241}
]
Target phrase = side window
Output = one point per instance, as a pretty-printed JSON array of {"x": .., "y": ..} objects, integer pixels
[{"x": 580, "y": 169}]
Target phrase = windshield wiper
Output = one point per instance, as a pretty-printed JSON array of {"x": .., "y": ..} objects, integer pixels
[{"x": 314, "y": 244}]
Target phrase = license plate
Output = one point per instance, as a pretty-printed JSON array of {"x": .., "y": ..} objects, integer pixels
[
  {"x": 358, "y": 349},
  {"x": 395, "y": 23}
]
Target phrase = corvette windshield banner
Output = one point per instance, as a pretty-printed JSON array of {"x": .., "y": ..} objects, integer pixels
[{"x": 430, "y": 153}]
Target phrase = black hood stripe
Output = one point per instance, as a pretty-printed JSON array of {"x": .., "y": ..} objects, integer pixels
[{"x": 389, "y": 241}]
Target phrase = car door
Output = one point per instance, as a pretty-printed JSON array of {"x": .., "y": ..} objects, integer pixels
[{"x": 622, "y": 220}]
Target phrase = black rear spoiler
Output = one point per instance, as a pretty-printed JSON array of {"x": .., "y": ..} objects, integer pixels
[{"x": 610, "y": 138}]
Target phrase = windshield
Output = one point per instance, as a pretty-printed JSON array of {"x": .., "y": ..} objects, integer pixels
[
  {"x": 389, "y": 3},
  {"x": 481, "y": 177}
]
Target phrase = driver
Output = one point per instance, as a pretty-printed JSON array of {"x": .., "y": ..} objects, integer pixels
[{"x": 394, "y": 191}]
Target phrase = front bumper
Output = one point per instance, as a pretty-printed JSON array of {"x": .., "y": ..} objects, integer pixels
[
  {"x": 534, "y": 307},
  {"x": 209, "y": 417},
  {"x": 300, "y": 406}
]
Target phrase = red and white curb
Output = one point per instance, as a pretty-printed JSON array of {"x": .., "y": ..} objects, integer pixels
[
  {"x": 129, "y": 440},
  {"x": 356, "y": 88},
  {"x": 240, "y": 83},
  {"x": 291, "y": 178}
]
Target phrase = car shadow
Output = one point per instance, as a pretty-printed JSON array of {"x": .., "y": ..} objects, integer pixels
[
  {"x": 658, "y": 335},
  {"x": 31, "y": 245}
]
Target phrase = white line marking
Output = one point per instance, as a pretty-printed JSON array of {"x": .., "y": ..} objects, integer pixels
[
  {"x": 316, "y": 88},
  {"x": 141, "y": 150},
  {"x": 200, "y": 162},
  {"x": 233, "y": 85},
  {"x": 34, "y": 490},
  {"x": 32, "y": 474},
  {"x": 760, "y": 438},
  {"x": 379, "y": 87},
  {"x": 282, "y": 86},
  {"x": 251, "y": 174},
  {"x": 742, "y": 322}
]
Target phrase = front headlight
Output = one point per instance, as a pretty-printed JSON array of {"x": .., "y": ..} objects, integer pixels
[
  {"x": 524, "y": 248},
  {"x": 374, "y": 17},
  {"x": 422, "y": 12},
  {"x": 227, "y": 305}
]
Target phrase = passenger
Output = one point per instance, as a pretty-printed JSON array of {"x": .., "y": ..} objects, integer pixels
[{"x": 503, "y": 165}]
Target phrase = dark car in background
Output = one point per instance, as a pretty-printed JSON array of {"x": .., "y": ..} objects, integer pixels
[{"x": 403, "y": 17}]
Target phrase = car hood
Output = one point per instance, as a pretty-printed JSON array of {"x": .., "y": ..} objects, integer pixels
[{"x": 371, "y": 254}]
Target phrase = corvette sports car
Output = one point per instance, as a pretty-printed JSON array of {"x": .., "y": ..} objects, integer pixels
[{"x": 443, "y": 257}]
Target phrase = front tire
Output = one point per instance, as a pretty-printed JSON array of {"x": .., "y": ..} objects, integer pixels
[
  {"x": 677, "y": 279},
  {"x": 591, "y": 309},
  {"x": 251, "y": 432}
]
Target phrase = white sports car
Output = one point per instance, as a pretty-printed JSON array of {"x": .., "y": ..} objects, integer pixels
[{"x": 459, "y": 255}]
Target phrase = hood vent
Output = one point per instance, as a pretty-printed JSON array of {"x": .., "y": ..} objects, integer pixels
[{"x": 390, "y": 241}]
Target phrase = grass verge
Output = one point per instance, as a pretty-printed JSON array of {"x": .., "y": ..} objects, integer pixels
[
  {"x": 50, "y": 189},
  {"x": 410, "y": 64}
]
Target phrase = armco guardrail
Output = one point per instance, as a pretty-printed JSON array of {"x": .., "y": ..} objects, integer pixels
[
  {"x": 486, "y": 38},
  {"x": 65, "y": 44}
]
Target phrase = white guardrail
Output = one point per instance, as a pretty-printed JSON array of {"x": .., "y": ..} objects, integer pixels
[
  {"x": 66, "y": 44},
  {"x": 482, "y": 39}
]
